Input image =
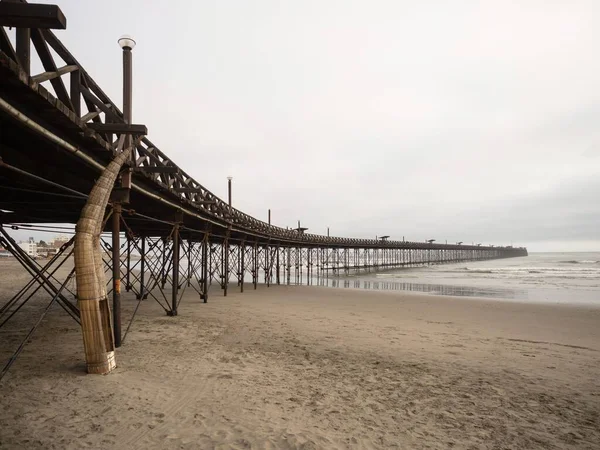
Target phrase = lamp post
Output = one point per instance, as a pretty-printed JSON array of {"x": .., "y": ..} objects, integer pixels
[
  {"x": 229, "y": 189},
  {"x": 127, "y": 44}
]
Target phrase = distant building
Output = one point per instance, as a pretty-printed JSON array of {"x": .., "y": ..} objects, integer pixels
[
  {"x": 59, "y": 241},
  {"x": 4, "y": 252},
  {"x": 50, "y": 251},
  {"x": 30, "y": 247}
]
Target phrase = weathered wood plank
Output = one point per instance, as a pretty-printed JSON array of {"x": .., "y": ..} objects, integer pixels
[
  {"x": 88, "y": 96},
  {"x": 37, "y": 37},
  {"x": 50, "y": 75},
  {"x": 119, "y": 128},
  {"x": 75, "y": 84},
  {"x": 90, "y": 116},
  {"x": 6, "y": 46},
  {"x": 32, "y": 15},
  {"x": 156, "y": 169},
  {"x": 23, "y": 43}
]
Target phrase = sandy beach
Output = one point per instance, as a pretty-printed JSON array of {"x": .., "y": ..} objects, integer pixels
[{"x": 309, "y": 368}]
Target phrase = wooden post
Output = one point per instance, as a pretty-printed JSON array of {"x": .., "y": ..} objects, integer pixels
[
  {"x": 175, "y": 276},
  {"x": 128, "y": 282},
  {"x": 243, "y": 264},
  {"x": 205, "y": 269},
  {"x": 189, "y": 258},
  {"x": 23, "y": 50},
  {"x": 116, "y": 272},
  {"x": 255, "y": 266},
  {"x": 76, "y": 92},
  {"x": 225, "y": 262},
  {"x": 141, "y": 295},
  {"x": 278, "y": 264}
]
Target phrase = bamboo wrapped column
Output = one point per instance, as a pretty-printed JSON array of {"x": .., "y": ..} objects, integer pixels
[{"x": 96, "y": 324}]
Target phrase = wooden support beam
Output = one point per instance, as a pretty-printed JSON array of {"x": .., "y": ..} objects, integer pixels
[
  {"x": 6, "y": 46},
  {"x": 90, "y": 116},
  {"x": 75, "y": 91},
  {"x": 43, "y": 51},
  {"x": 119, "y": 128},
  {"x": 156, "y": 169},
  {"x": 50, "y": 75},
  {"x": 188, "y": 190},
  {"x": 31, "y": 15},
  {"x": 92, "y": 99},
  {"x": 24, "y": 48},
  {"x": 89, "y": 105},
  {"x": 175, "y": 273}
]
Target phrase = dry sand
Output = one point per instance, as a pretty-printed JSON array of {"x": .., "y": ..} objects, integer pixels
[{"x": 297, "y": 367}]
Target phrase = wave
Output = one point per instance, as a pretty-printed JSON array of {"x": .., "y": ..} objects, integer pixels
[
  {"x": 524, "y": 270},
  {"x": 585, "y": 261},
  {"x": 580, "y": 272}
]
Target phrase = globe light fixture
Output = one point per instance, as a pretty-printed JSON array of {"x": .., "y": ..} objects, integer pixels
[{"x": 126, "y": 42}]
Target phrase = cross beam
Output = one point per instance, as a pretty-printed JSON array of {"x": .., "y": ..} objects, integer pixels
[
  {"x": 32, "y": 15},
  {"x": 119, "y": 128},
  {"x": 156, "y": 169}
]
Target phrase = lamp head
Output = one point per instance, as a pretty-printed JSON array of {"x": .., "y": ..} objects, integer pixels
[{"x": 126, "y": 42}]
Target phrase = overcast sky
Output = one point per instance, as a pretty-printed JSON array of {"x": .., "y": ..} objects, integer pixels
[{"x": 458, "y": 120}]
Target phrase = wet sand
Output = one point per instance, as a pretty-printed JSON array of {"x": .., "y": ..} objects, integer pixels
[{"x": 307, "y": 367}]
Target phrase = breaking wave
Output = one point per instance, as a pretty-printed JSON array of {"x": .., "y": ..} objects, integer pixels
[
  {"x": 551, "y": 272},
  {"x": 585, "y": 261}
]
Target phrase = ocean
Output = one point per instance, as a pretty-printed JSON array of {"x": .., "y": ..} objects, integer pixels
[{"x": 572, "y": 278}]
